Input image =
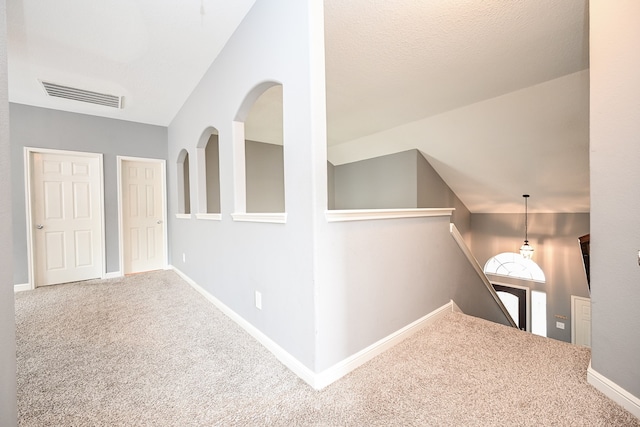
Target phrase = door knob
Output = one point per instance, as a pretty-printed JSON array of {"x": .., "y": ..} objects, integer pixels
[
  {"x": 159, "y": 221},
  {"x": 39, "y": 226}
]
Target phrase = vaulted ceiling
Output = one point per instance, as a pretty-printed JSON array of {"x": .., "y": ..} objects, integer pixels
[{"x": 494, "y": 94}]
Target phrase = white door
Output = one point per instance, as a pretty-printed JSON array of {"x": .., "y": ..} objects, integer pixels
[
  {"x": 143, "y": 233},
  {"x": 66, "y": 217},
  {"x": 581, "y": 321}
]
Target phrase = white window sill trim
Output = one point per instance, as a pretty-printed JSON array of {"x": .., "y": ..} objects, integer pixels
[
  {"x": 209, "y": 216},
  {"x": 372, "y": 214},
  {"x": 274, "y": 218},
  {"x": 183, "y": 216}
]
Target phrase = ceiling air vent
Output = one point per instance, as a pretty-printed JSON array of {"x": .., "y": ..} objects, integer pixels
[{"x": 82, "y": 95}]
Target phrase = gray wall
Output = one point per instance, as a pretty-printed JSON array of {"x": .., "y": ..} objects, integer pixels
[
  {"x": 554, "y": 237},
  {"x": 379, "y": 276},
  {"x": 233, "y": 259},
  {"x": 378, "y": 183},
  {"x": 615, "y": 199},
  {"x": 401, "y": 180},
  {"x": 331, "y": 194},
  {"x": 433, "y": 192},
  {"x": 45, "y": 128},
  {"x": 265, "y": 177},
  {"x": 8, "y": 415}
]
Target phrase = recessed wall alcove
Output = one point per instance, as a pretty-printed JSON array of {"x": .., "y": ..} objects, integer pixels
[
  {"x": 208, "y": 173},
  {"x": 184, "y": 196},
  {"x": 259, "y": 149}
]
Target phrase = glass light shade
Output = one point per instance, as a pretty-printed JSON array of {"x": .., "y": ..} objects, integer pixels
[{"x": 526, "y": 251}]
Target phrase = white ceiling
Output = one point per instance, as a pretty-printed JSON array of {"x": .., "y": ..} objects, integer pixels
[
  {"x": 151, "y": 52},
  {"x": 494, "y": 93}
]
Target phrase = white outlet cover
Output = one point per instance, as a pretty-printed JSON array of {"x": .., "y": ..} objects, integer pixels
[
  {"x": 560, "y": 325},
  {"x": 258, "y": 300}
]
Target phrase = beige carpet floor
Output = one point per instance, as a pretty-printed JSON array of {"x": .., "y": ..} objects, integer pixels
[{"x": 148, "y": 350}]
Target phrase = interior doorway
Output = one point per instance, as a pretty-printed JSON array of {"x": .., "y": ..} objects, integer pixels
[
  {"x": 142, "y": 214},
  {"x": 515, "y": 301},
  {"x": 65, "y": 216}
]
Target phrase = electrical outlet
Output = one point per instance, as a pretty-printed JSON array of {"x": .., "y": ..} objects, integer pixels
[
  {"x": 258, "y": 300},
  {"x": 184, "y": 257},
  {"x": 560, "y": 325}
]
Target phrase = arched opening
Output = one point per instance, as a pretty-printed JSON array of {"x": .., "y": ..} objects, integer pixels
[
  {"x": 209, "y": 172},
  {"x": 184, "y": 197},
  {"x": 259, "y": 151}
]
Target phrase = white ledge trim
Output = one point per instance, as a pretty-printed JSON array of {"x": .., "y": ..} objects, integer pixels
[
  {"x": 275, "y": 218},
  {"x": 209, "y": 216},
  {"x": 370, "y": 214},
  {"x": 183, "y": 216}
]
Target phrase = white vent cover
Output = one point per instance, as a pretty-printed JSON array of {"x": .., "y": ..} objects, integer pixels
[{"x": 82, "y": 95}]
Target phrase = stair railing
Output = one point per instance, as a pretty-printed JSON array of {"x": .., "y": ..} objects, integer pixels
[{"x": 476, "y": 266}]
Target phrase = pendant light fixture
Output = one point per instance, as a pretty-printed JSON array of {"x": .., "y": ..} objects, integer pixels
[{"x": 526, "y": 250}]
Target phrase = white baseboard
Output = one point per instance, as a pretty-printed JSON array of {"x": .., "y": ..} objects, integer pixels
[
  {"x": 320, "y": 380},
  {"x": 22, "y": 287},
  {"x": 613, "y": 391},
  {"x": 342, "y": 368},
  {"x": 112, "y": 275},
  {"x": 306, "y": 374}
]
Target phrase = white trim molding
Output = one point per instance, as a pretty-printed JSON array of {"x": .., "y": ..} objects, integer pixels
[
  {"x": 613, "y": 391},
  {"x": 113, "y": 275},
  {"x": 370, "y": 214},
  {"x": 272, "y": 217},
  {"x": 340, "y": 369},
  {"x": 22, "y": 287},
  {"x": 209, "y": 216},
  {"x": 320, "y": 380},
  {"x": 183, "y": 216},
  {"x": 306, "y": 374}
]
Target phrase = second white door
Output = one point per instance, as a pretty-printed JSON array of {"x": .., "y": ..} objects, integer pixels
[{"x": 142, "y": 215}]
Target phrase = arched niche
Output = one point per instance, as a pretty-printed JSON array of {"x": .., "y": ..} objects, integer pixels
[
  {"x": 259, "y": 151},
  {"x": 184, "y": 196},
  {"x": 208, "y": 172}
]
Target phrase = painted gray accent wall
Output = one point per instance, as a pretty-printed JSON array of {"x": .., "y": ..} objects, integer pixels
[
  {"x": 213, "y": 175},
  {"x": 265, "y": 177},
  {"x": 233, "y": 259},
  {"x": 45, "y": 128},
  {"x": 554, "y": 237},
  {"x": 400, "y": 180},
  {"x": 378, "y": 183},
  {"x": 331, "y": 194},
  {"x": 433, "y": 192},
  {"x": 8, "y": 405},
  {"x": 379, "y": 276},
  {"x": 615, "y": 198}
]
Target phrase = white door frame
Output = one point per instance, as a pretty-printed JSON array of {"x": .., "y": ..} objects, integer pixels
[
  {"x": 28, "y": 152},
  {"x": 163, "y": 169},
  {"x": 528, "y": 302}
]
